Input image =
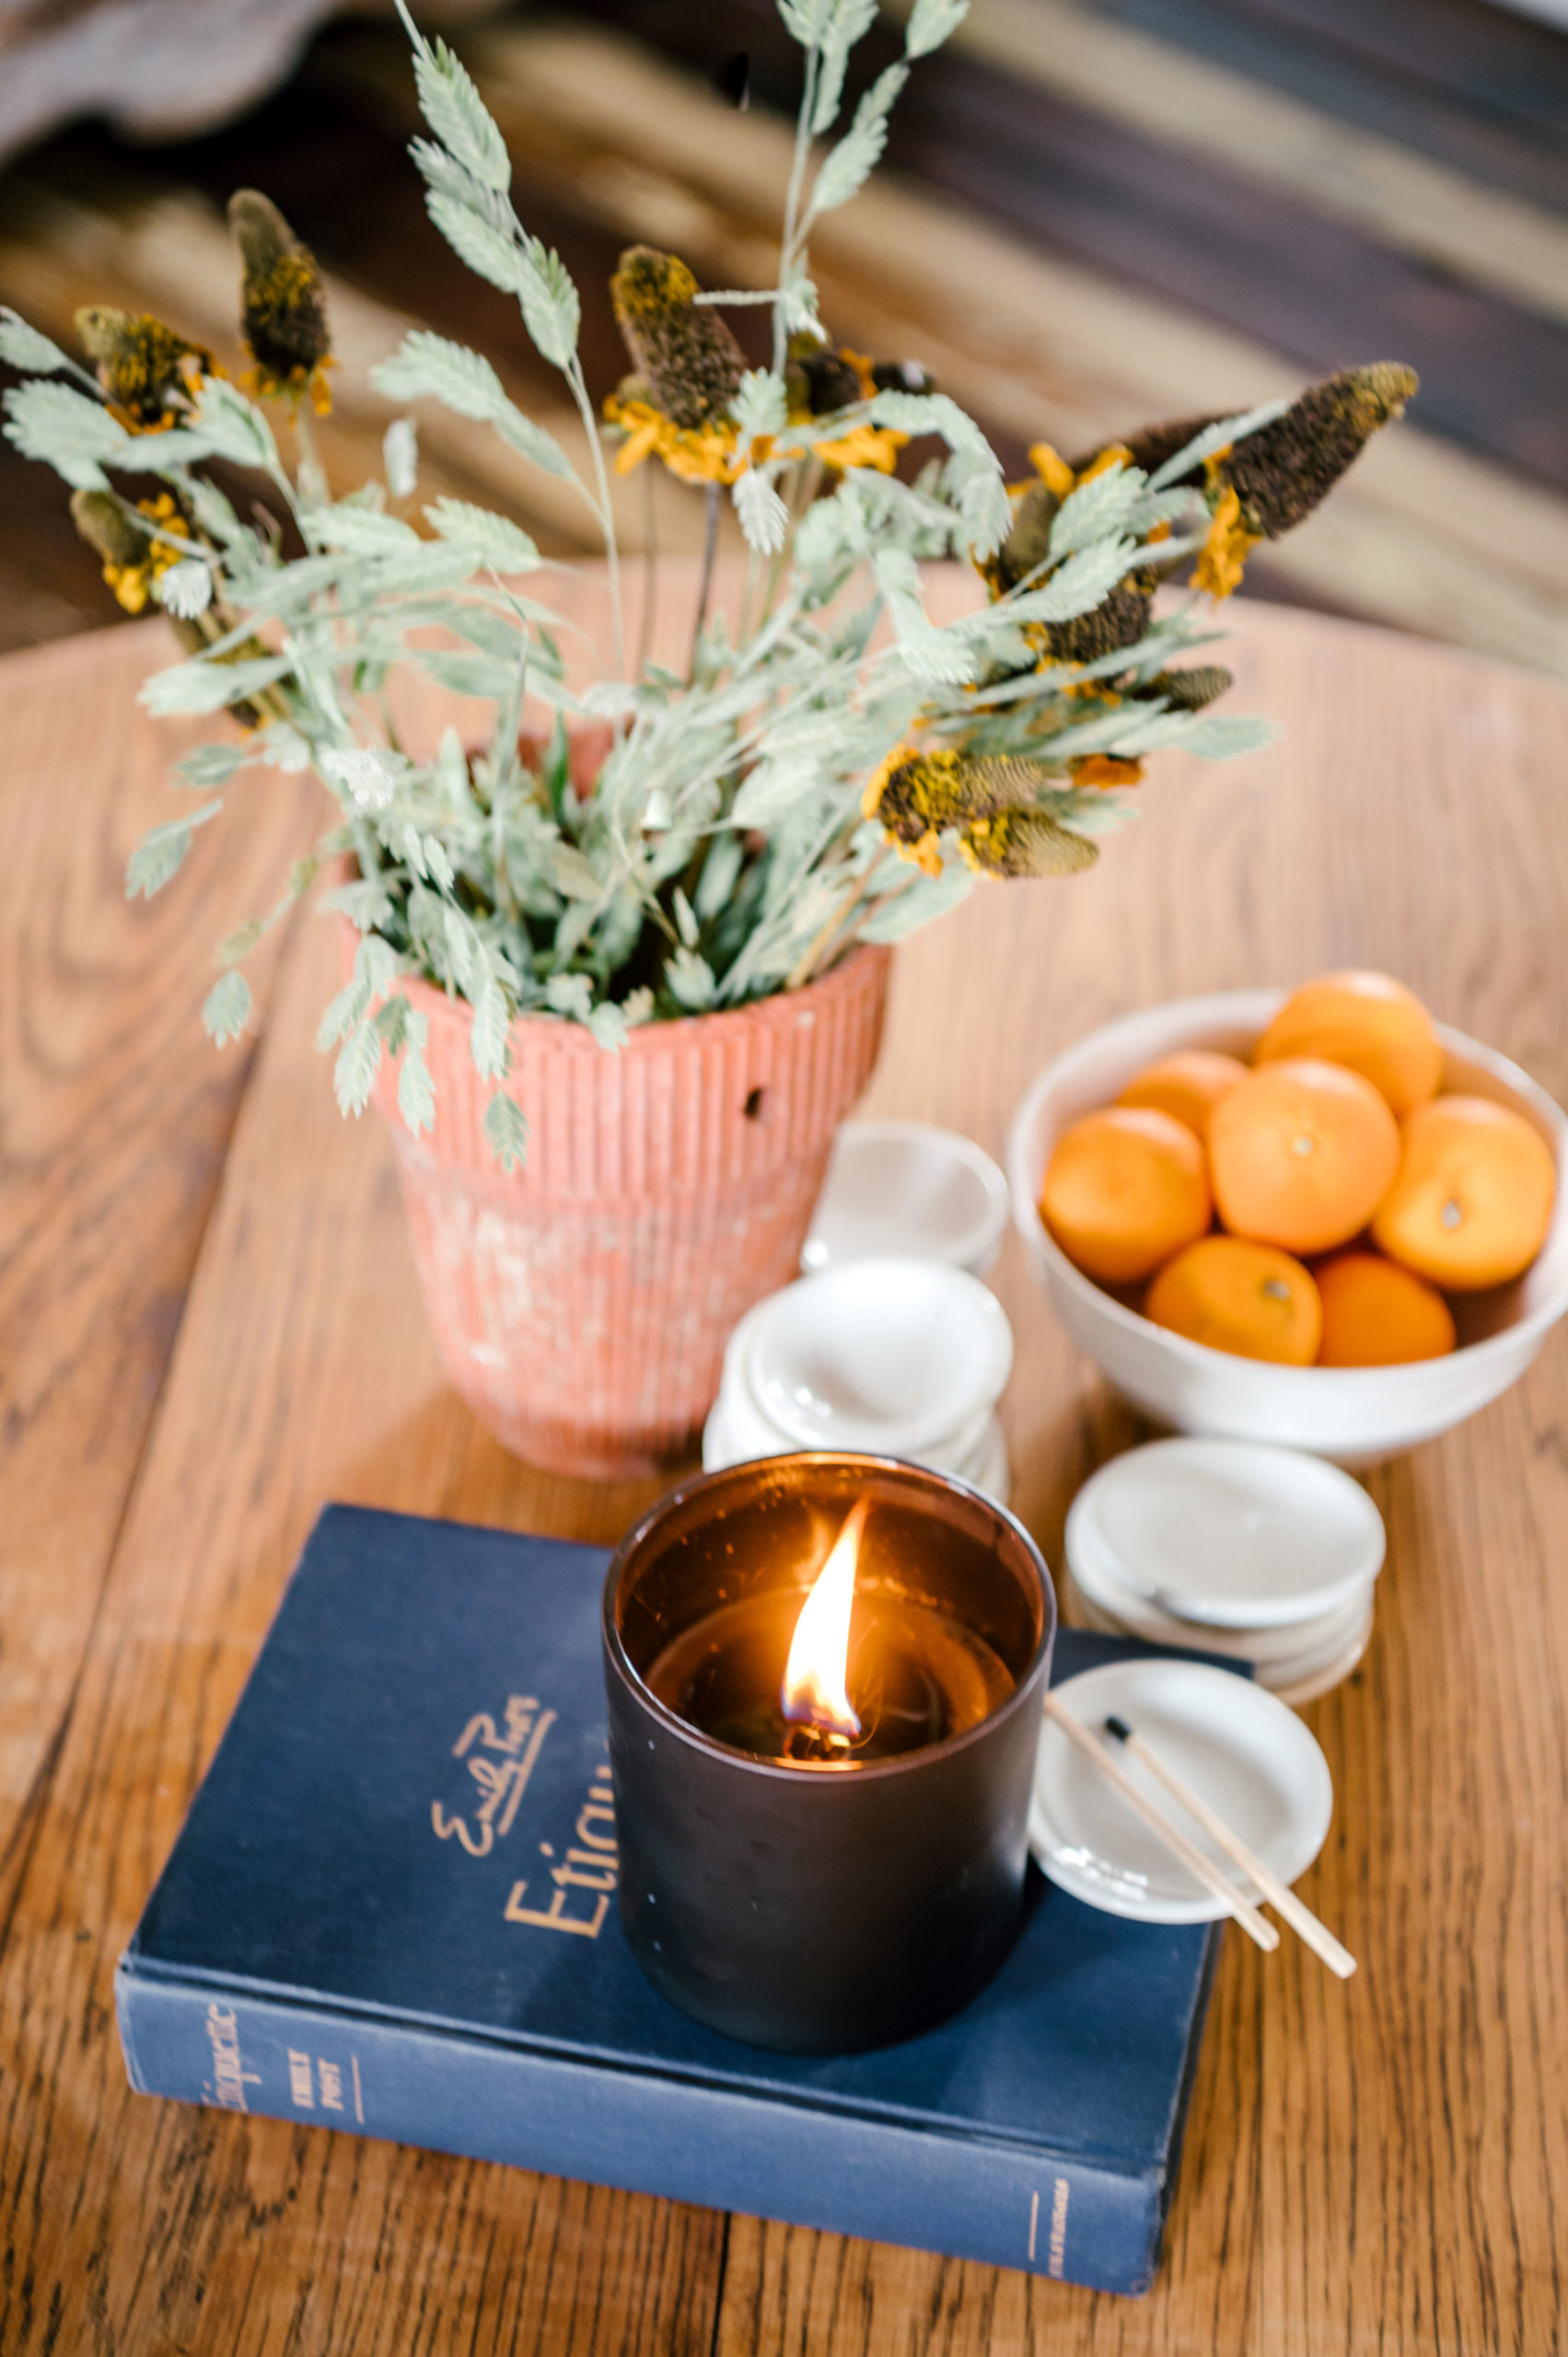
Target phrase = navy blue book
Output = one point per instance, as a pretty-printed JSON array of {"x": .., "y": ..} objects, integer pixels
[{"x": 392, "y": 1909}]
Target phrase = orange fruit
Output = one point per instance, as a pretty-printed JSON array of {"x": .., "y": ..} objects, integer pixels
[
  {"x": 1376, "y": 1314},
  {"x": 1187, "y": 1086},
  {"x": 1124, "y": 1189},
  {"x": 1473, "y": 1197},
  {"x": 1370, "y": 1024},
  {"x": 1301, "y": 1155},
  {"x": 1246, "y": 1299}
]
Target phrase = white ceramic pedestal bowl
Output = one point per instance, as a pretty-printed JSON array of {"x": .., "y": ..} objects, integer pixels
[{"x": 1355, "y": 1415}]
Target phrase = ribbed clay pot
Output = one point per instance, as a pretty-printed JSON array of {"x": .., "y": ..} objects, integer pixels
[{"x": 581, "y": 1306}]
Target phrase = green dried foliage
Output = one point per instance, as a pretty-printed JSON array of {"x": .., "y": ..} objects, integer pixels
[{"x": 656, "y": 843}]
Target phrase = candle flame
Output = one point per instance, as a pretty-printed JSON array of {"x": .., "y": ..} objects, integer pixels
[{"x": 818, "y": 1657}]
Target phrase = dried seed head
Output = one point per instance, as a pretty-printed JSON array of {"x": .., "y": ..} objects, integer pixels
[
  {"x": 1119, "y": 620},
  {"x": 131, "y": 543},
  {"x": 283, "y": 307},
  {"x": 902, "y": 377},
  {"x": 1190, "y": 690},
  {"x": 103, "y": 524},
  {"x": 1028, "y": 539},
  {"x": 820, "y": 379},
  {"x": 682, "y": 348},
  {"x": 1281, "y": 472},
  {"x": 1026, "y": 842}
]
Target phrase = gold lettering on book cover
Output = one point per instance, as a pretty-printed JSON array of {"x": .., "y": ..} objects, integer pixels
[
  {"x": 500, "y": 1765},
  {"x": 591, "y": 1864},
  {"x": 1056, "y": 2254},
  {"x": 225, "y": 2089},
  {"x": 313, "y": 2079}
]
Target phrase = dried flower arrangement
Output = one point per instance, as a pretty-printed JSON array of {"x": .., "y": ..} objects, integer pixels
[{"x": 735, "y": 838}]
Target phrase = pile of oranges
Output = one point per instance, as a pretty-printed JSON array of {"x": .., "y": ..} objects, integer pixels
[{"x": 1350, "y": 1196}]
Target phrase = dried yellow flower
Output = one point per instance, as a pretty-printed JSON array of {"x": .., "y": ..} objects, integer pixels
[
  {"x": 916, "y": 795},
  {"x": 150, "y": 374},
  {"x": 1051, "y": 469},
  {"x": 696, "y": 454},
  {"x": 863, "y": 446},
  {"x": 1105, "y": 770},
  {"x": 132, "y": 554},
  {"x": 1225, "y": 551}
]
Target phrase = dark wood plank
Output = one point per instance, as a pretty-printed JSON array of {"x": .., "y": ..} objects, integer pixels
[
  {"x": 1237, "y": 251},
  {"x": 1475, "y": 83},
  {"x": 1071, "y": 181},
  {"x": 1420, "y": 536}
]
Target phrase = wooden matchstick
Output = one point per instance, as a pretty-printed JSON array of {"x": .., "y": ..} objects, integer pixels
[
  {"x": 1302, "y": 1921},
  {"x": 1257, "y": 1926}
]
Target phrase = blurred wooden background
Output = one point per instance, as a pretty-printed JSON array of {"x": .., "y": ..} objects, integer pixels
[{"x": 1093, "y": 213}]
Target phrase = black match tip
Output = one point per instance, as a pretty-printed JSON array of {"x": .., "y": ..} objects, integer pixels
[{"x": 1120, "y": 1729}]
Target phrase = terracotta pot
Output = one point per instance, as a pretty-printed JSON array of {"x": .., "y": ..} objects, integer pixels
[{"x": 582, "y": 1305}]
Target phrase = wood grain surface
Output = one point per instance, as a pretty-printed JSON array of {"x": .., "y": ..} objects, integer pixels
[
  {"x": 208, "y": 1327},
  {"x": 113, "y": 1138}
]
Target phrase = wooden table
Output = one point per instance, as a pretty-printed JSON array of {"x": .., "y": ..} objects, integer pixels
[{"x": 208, "y": 1326}]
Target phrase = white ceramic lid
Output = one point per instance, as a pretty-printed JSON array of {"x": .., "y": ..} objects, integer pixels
[
  {"x": 891, "y": 1356},
  {"x": 1239, "y": 1747},
  {"x": 907, "y": 1189},
  {"x": 1228, "y": 1533}
]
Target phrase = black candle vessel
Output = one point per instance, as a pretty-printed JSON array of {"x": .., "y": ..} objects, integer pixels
[{"x": 807, "y": 1869}]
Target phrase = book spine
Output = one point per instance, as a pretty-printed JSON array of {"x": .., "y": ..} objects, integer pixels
[{"x": 689, "y": 2140}]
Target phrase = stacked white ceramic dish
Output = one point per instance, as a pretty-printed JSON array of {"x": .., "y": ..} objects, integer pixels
[
  {"x": 1255, "y": 1763},
  {"x": 909, "y": 1192},
  {"x": 1230, "y": 1547},
  {"x": 892, "y": 1357}
]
